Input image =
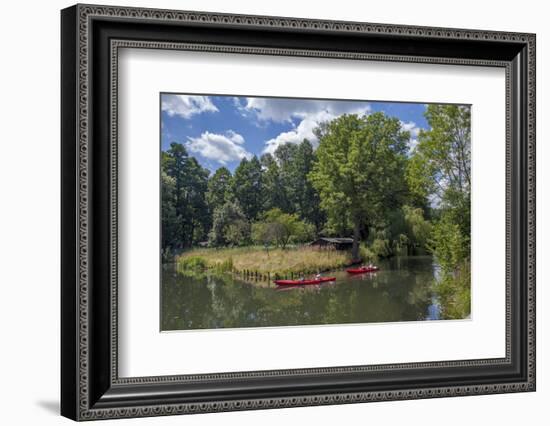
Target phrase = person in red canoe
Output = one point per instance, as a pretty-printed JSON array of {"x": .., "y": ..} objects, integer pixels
[{"x": 318, "y": 276}]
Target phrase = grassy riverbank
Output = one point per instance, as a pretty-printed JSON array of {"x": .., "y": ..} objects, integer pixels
[
  {"x": 256, "y": 260},
  {"x": 454, "y": 292}
]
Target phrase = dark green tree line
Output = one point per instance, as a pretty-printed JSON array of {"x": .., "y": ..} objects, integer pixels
[
  {"x": 185, "y": 216},
  {"x": 221, "y": 208}
]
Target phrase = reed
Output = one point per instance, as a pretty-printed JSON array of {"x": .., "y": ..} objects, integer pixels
[{"x": 257, "y": 263}]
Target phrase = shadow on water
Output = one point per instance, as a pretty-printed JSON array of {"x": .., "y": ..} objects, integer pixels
[{"x": 400, "y": 291}]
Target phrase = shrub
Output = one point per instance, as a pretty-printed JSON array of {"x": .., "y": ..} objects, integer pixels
[
  {"x": 382, "y": 248},
  {"x": 281, "y": 229},
  {"x": 192, "y": 263},
  {"x": 229, "y": 227},
  {"x": 454, "y": 292},
  {"x": 366, "y": 253},
  {"x": 448, "y": 245},
  {"x": 451, "y": 249}
]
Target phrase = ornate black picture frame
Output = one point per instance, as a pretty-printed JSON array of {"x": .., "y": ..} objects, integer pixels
[{"x": 91, "y": 36}]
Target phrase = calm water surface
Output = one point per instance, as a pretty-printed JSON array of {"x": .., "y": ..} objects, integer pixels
[{"x": 400, "y": 291}]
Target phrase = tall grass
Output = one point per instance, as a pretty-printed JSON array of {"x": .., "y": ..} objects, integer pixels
[
  {"x": 299, "y": 260},
  {"x": 224, "y": 266}
]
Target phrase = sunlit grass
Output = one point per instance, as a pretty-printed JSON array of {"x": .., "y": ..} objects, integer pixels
[{"x": 299, "y": 260}]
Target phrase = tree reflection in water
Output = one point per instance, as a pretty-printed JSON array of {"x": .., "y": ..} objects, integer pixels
[{"x": 400, "y": 291}]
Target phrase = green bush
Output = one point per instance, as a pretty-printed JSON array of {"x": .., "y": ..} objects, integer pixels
[
  {"x": 382, "y": 248},
  {"x": 366, "y": 253},
  {"x": 192, "y": 263},
  {"x": 454, "y": 293},
  {"x": 449, "y": 245}
]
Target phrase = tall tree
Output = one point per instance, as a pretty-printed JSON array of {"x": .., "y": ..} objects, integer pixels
[
  {"x": 200, "y": 220},
  {"x": 360, "y": 167},
  {"x": 295, "y": 163},
  {"x": 440, "y": 165},
  {"x": 246, "y": 187},
  {"x": 284, "y": 156},
  {"x": 189, "y": 189},
  {"x": 305, "y": 196},
  {"x": 274, "y": 191},
  {"x": 218, "y": 188},
  {"x": 440, "y": 169},
  {"x": 169, "y": 218}
]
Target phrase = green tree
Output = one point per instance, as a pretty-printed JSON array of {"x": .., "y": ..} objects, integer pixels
[
  {"x": 401, "y": 229},
  {"x": 274, "y": 191},
  {"x": 440, "y": 167},
  {"x": 418, "y": 228},
  {"x": 229, "y": 226},
  {"x": 452, "y": 252},
  {"x": 218, "y": 188},
  {"x": 284, "y": 157},
  {"x": 246, "y": 187},
  {"x": 390, "y": 234},
  {"x": 449, "y": 245},
  {"x": 305, "y": 196},
  {"x": 281, "y": 228},
  {"x": 360, "y": 166},
  {"x": 237, "y": 233},
  {"x": 168, "y": 215},
  {"x": 188, "y": 188},
  {"x": 297, "y": 194},
  {"x": 263, "y": 233}
]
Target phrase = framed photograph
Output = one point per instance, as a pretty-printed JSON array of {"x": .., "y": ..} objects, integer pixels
[{"x": 263, "y": 212}]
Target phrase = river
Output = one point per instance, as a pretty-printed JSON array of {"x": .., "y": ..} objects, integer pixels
[{"x": 400, "y": 291}]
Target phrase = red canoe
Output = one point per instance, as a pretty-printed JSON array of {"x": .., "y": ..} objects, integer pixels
[
  {"x": 304, "y": 282},
  {"x": 363, "y": 270}
]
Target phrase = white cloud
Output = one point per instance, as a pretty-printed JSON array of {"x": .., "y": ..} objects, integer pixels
[
  {"x": 186, "y": 106},
  {"x": 222, "y": 148},
  {"x": 309, "y": 113},
  {"x": 414, "y": 131},
  {"x": 235, "y": 137},
  {"x": 304, "y": 130},
  {"x": 411, "y": 127},
  {"x": 282, "y": 110}
]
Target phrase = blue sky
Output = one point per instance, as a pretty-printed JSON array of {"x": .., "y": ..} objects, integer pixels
[{"x": 221, "y": 130}]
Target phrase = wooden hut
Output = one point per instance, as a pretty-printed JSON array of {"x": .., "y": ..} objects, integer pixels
[{"x": 336, "y": 243}]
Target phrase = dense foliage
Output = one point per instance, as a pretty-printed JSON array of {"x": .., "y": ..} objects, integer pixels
[
  {"x": 360, "y": 171},
  {"x": 440, "y": 169},
  {"x": 268, "y": 201},
  {"x": 362, "y": 181},
  {"x": 185, "y": 217}
]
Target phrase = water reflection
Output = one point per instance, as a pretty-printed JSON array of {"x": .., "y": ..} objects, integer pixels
[{"x": 400, "y": 291}]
